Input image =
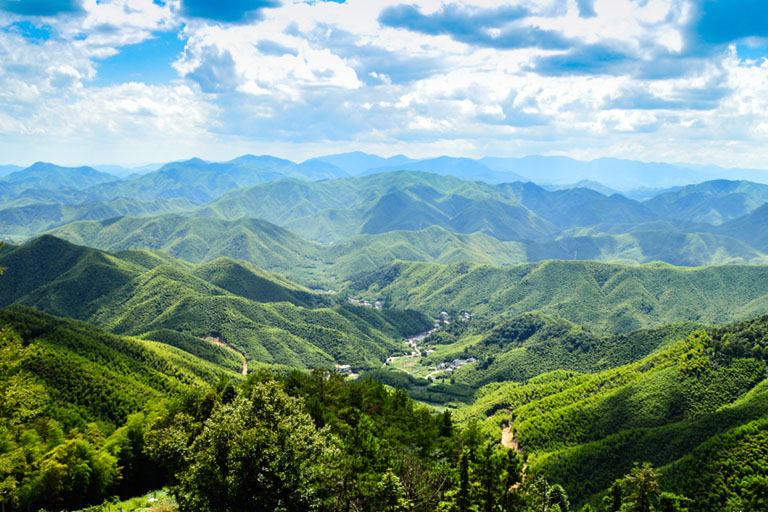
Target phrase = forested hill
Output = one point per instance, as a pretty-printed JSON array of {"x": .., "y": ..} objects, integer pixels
[
  {"x": 698, "y": 410},
  {"x": 265, "y": 317},
  {"x": 608, "y": 297}
]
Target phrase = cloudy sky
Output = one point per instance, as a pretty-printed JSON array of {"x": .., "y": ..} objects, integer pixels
[{"x": 138, "y": 81}]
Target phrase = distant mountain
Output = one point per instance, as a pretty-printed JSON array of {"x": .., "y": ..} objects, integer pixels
[
  {"x": 681, "y": 249},
  {"x": 357, "y": 162},
  {"x": 463, "y": 168},
  {"x": 712, "y": 202},
  {"x": 614, "y": 173},
  {"x": 5, "y": 170},
  {"x": 200, "y": 181},
  {"x": 582, "y": 207},
  {"x": 34, "y": 218},
  {"x": 267, "y": 319},
  {"x": 197, "y": 240},
  {"x": 45, "y": 176},
  {"x": 335, "y": 210},
  {"x": 750, "y": 228},
  {"x": 592, "y": 185},
  {"x": 126, "y": 172}
]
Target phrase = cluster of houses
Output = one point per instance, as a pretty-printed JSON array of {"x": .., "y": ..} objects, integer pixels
[
  {"x": 346, "y": 371},
  {"x": 455, "y": 364},
  {"x": 367, "y": 303}
]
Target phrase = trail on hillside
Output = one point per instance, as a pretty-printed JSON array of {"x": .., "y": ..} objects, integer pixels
[
  {"x": 217, "y": 341},
  {"x": 509, "y": 440}
]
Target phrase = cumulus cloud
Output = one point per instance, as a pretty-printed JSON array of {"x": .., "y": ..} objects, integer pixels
[
  {"x": 492, "y": 27},
  {"x": 580, "y": 77}
]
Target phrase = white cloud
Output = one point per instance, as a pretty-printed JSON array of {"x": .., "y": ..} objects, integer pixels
[{"x": 314, "y": 73}]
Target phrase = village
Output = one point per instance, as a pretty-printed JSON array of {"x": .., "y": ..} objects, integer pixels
[{"x": 411, "y": 361}]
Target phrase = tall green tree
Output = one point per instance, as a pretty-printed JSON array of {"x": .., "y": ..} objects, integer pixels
[
  {"x": 642, "y": 484},
  {"x": 261, "y": 453}
]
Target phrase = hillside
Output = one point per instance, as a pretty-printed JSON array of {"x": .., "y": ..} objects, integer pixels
[
  {"x": 607, "y": 297},
  {"x": 264, "y": 317},
  {"x": 198, "y": 239},
  {"x": 92, "y": 375},
  {"x": 750, "y": 228},
  {"x": 42, "y": 175},
  {"x": 531, "y": 344},
  {"x": 678, "y": 409},
  {"x": 713, "y": 202},
  {"x": 18, "y": 218}
]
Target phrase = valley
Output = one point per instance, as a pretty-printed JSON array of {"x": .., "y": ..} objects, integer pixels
[
  {"x": 355, "y": 256},
  {"x": 569, "y": 333}
]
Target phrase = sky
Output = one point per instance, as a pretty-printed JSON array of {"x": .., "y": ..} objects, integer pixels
[{"x": 136, "y": 81}]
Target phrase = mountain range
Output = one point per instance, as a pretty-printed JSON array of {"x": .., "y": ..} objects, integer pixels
[{"x": 266, "y": 318}]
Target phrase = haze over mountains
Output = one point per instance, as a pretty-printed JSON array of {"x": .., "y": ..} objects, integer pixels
[{"x": 486, "y": 215}]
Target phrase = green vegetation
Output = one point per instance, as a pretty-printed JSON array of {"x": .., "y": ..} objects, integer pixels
[
  {"x": 273, "y": 321},
  {"x": 530, "y": 345},
  {"x": 64, "y": 388},
  {"x": 674, "y": 409},
  {"x": 713, "y": 202},
  {"x": 607, "y": 297},
  {"x": 29, "y": 217}
]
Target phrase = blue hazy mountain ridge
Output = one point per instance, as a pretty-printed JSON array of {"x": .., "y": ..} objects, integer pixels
[
  {"x": 357, "y": 162},
  {"x": 713, "y": 202},
  {"x": 5, "y": 170},
  {"x": 464, "y": 168},
  {"x": 47, "y": 176},
  {"x": 618, "y": 174}
]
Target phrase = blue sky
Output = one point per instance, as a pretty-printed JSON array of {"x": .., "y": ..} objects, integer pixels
[{"x": 136, "y": 81}]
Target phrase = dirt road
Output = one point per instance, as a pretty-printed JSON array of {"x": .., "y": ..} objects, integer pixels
[{"x": 217, "y": 341}]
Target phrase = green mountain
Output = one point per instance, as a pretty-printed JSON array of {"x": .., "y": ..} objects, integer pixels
[
  {"x": 278, "y": 250},
  {"x": 750, "y": 228},
  {"x": 264, "y": 318},
  {"x": 462, "y": 168},
  {"x": 675, "y": 248},
  {"x": 30, "y": 219},
  {"x": 198, "y": 239},
  {"x": 532, "y": 344},
  {"x": 607, "y": 297},
  {"x": 200, "y": 181},
  {"x": 712, "y": 202},
  {"x": 90, "y": 374},
  {"x": 334, "y": 210},
  {"x": 696, "y": 410},
  {"x": 44, "y": 175},
  {"x": 578, "y": 206}
]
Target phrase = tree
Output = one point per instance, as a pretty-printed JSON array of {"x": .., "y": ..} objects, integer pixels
[
  {"x": 463, "y": 497},
  {"x": 20, "y": 397},
  {"x": 642, "y": 484},
  {"x": 612, "y": 502},
  {"x": 390, "y": 494},
  {"x": 557, "y": 497},
  {"x": 262, "y": 453},
  {"x": 669, "y": 502}
]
